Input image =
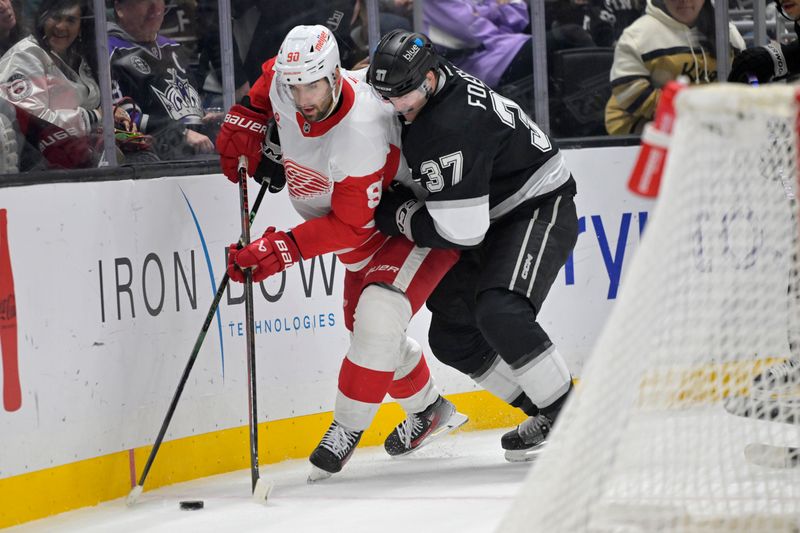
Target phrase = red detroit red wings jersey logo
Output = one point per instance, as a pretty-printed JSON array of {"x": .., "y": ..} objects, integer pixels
[{"x": 305, "y": 183}]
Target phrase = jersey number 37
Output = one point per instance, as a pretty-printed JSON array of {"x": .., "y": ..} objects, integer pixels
[{"x": 433, "y": 171}]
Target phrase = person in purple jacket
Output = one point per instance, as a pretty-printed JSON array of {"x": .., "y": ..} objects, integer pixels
[{"x": 486, "y": 38}]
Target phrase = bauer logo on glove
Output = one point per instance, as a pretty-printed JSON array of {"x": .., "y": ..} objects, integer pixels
[
  {"x": 274, "y": 252},
  {"x": 242, "y": 133},
  {"x": 246, "y": 123}
]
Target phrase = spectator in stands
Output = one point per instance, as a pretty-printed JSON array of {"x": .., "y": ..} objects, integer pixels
[
  {"x": 774, "y": 61},
  {"x": 10, "y": 27},
  {"x": 244, "y": 15},
  {"x": 673, "y": 38},
  {"x": 258, "y": 29},
  {"x": 151, "y": 73},
  {"x": 619, "y": 14},
  {"x": 489, "y": 40},
  {"x": 581, "y": 19},
  {"x": 181, "y": 25},
  {"x": 47, "y": 78},
  {"x": 395, "y": 14}
]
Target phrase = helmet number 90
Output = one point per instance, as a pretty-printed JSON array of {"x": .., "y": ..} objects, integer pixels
[
  {"x": 291, "y": 57},
  {"x": 433, "y": 171}
]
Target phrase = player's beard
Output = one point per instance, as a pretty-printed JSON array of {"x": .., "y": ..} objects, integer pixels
[
  {"x": 315, "y": 116},
  {"x": 322, "y": 111}
]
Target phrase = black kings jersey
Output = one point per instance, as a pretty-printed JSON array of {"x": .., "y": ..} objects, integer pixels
[
  {"x": 156, "y": 77},
  {"x": 479, "y": 156}
]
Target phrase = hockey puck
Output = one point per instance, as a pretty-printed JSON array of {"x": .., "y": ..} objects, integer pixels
[{"x": 192, "y": 505}]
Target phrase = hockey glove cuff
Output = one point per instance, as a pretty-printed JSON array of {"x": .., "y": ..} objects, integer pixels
[
  {"x": 234, "y": 272},
  {"x": 397, "y": 207},
  {"x": 271, "y": 167},
  {"x": 764, "y": 63}
]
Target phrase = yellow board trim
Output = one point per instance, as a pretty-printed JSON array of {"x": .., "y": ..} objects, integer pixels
[{"x": 84, "y": 483}]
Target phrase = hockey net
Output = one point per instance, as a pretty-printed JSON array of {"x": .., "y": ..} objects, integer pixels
[{"x": 648, "y": 442}]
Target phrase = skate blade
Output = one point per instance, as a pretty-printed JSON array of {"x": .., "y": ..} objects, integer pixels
[
  {"x": 781, "y": 392},
  {"x": 526, "y": 455},
  {"x": 455, "y": 421},
  {"x": 772, "y": 456},
  {"x": 317, "y": 474}
]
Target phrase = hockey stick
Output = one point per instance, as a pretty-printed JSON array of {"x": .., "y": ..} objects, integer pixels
[
  {"x": 198, "y": 343},
  {"x": 772, "y": 456},
  {"x": 249, "y": 329}
]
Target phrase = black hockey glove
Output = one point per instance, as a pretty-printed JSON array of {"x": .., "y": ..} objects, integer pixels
[
  {"x": 765, "y": 63},
  {"x": 271, "y": 166},
  {"x": 393, "y": 214}
]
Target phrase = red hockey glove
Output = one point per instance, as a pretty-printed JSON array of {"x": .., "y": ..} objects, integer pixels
[
  {"x": 242, "y": 133},
  {"x": 274, "y": 252},
  {"x": 234, "y": 272}
]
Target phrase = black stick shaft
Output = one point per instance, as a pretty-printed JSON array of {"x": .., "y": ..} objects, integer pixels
[
  {"x": 249, "y": 329},
  {"x": 198, "y": 343}
]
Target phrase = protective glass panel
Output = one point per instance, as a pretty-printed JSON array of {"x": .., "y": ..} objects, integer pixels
[
  {"x": 490, "y": 40},
  {"x": 49, "y": 95},
  {"x": 581, "y": 37},
  {"x": 153, "y": 50}
]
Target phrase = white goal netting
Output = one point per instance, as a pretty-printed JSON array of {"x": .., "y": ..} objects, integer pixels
[{"x": 648, "y": 443}]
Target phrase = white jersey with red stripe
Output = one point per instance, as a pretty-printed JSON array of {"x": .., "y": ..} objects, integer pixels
[{"x": 337, "y": 168}]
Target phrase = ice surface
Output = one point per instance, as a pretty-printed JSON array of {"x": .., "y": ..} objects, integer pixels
[{"x": 460, "y": 483}]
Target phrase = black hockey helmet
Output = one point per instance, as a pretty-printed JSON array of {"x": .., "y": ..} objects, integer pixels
[{"x": 400, "y": 63}]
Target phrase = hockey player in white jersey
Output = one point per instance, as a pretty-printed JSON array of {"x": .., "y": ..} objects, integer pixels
[{"x": 341, "y": 149}]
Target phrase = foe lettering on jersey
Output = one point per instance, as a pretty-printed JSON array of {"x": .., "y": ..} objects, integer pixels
[
  {"x": 305, "y": 183},
  {"x": 179, "y": 99},
  {"x": 18, "y": 87}
]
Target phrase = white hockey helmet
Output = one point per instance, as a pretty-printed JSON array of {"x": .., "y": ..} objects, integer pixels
[{"x": 307, "y": 54}]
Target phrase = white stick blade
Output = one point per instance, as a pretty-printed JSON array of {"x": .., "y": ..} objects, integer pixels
[
  {"x": 133, "y": 495},
  {"x": 262, "y": 491}
]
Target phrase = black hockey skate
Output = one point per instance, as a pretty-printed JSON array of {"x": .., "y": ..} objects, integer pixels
[
  {"x": 333, "y": 451},
  {"x": 528, "y": 439},
  {"x": 779, "y": 378},
  {"x": 419, "y": 429},
  {"x": 764, "y": 407},
  {"x": 774, "y": 395}
]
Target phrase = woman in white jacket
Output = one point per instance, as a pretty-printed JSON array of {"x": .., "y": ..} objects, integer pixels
[
  {"x": 48, "y": 80},
  {"x": 673, "y": 38}
]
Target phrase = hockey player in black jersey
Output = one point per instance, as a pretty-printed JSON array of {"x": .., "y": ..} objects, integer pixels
[{"x": 498, "y": 189}]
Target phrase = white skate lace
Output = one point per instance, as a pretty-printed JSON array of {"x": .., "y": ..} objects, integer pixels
[
  {"x": 339, "y": 440},
  {"x": 782, "y": 371},
  {"x": 410, "y": 426},
  {"x": 534, "y": 428}
]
